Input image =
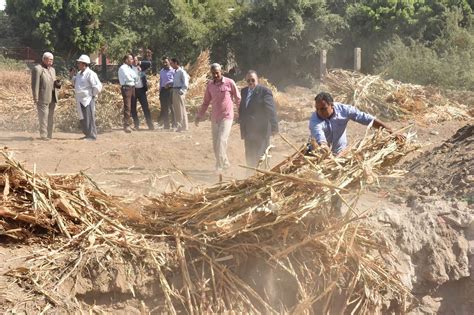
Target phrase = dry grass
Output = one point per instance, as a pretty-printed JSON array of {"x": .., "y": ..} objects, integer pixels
[
  {"x": 265, "y": 244},
  {"x": 392, "y": 99}
]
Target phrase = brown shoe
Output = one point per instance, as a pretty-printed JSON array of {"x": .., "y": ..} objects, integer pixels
[{"x": 127, "y": 130}]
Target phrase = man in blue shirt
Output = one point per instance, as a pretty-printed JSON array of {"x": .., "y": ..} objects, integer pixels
[
  {"x": 166, "y": 89},
  {"x": 328, "y": 124}
]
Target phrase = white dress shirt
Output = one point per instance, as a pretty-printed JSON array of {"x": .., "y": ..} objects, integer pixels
[
  {"x": 127, "y": 76},
  {"x": 86, "y": 86}
]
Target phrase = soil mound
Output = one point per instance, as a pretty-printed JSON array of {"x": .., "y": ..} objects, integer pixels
[{"x": 447, "y": 169}]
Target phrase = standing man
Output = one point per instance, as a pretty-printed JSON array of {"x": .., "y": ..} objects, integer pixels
[
  {"x": 128, "y": 78},
  {"x": 180, "y": 87},
  {"x": 258, "y": 118},
  {"x": 166, "y": 94},
  {"x": 45, "y": 94},
  {"x": 140, "y": 67},
  {"x": 329, "y": 122},
  {"x": 222, "y": 93},
  {"x": 87, "y": 87}
]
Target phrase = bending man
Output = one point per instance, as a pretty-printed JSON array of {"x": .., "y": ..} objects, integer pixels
[{"x": 329, "y": 122}]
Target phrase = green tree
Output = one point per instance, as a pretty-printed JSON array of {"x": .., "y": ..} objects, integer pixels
[
  {"x": 448, "y": 61},
  {"x": 282, "y": 38},
  {"x": 169, "y": 27},
  {"x": 372, "y": 22},
  {"x": 63, "y": 26}
]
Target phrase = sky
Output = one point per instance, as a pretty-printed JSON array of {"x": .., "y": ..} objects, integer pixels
[{"x": 2, "y": 4}]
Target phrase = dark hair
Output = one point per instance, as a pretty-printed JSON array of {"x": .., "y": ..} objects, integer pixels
[
  {"x": 175, "y": 60},
  {"x": 324, "y": 96},
  {"x": 126, "y": 57},
  {"x": 164, "y": 58}
]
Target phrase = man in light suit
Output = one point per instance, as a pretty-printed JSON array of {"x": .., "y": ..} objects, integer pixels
[
  {"x": 45, "y": 94},
  {"x": 257, "y": 117}
]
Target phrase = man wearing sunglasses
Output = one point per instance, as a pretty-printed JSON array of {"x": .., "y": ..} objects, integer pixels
[
  {"x": 222, "y": 94},
  {"x": 258, "y": 118}
]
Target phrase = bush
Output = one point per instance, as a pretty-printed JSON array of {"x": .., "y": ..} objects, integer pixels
[
  {"x": 447, "y": 62},
  {"x": 11, "y": 64}
]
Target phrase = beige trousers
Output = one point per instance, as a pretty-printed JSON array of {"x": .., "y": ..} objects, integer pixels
[
  {"x": 220, "y": 135},
  {"x": 179, "y": 108},
  {"x": 46, "y": 119}
]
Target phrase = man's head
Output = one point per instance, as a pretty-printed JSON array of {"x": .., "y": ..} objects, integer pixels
[
  {"x": 252, "y": 79},
  {"x": 324, "y": 103},
  {"x": 83, "y": 62},
  {"x": 174, "y": 63},
  {"x": 128, "y": 59},
  {"x": 136, "y": 62},
  {"x": 216, "y": 71},
  {"x": 47, "y": 59},
  {"x": 165, "y": 62}
]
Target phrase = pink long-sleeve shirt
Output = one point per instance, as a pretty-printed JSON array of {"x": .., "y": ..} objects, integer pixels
[{"x": 221, "y": 95}]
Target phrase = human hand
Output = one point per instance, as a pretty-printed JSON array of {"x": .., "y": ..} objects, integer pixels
[{"x": 324, "y": 150}]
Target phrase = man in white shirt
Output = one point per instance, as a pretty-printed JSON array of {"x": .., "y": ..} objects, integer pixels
[
  {"x": 87, "y": 87},
  {"x": 128, "y": 78},
  {"x": 180, "y": 87}
]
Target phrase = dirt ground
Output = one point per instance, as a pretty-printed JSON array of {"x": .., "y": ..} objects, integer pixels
[{"x": 151, "y": 162}]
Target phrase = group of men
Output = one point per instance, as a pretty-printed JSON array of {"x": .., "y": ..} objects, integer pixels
[{"x": 256, "y": 108}]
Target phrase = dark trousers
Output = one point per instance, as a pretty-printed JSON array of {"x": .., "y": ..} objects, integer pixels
[
  {"x": 128, "y": 92},
  {"x": 140, "y": 95},
  {"x": 46, "y": 119},
  {"x": 166, "y": 106},
  {"x": 88, "y": 122},
  {"x": 254, "y": 149}
]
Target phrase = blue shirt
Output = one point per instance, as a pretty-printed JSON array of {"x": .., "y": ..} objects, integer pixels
[
  {"x": 166, "y": 77},
  {"x": 333, "y": 130}
]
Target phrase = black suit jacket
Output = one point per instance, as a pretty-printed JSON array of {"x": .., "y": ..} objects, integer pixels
[{"x": 258, "y": 120}]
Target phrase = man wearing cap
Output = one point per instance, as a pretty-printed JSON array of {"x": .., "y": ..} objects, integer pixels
[
  {"x": 128, "y": 78},
  {"x": 87, "y": 87},
  {"x": 222, "y": 94},
  {"x": 45, "y": 94}
]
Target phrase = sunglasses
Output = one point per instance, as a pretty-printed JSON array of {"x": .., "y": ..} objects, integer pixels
[{"x": 250, "y": 80}]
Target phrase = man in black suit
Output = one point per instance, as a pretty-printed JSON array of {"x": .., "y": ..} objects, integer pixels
[{"x": 257, "y": 117}]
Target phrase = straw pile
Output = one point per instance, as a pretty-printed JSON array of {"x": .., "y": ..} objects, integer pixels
[
  {"x": 269, "y": 243},
  {"x": 264, "y": 244},
  {"x": 392, "y": 99},
  {"x": 84, "y": 238}
]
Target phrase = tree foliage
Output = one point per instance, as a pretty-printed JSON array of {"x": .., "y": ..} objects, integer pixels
[
  {"x": 283, "y": 38},
  {"x": 448, "y": 61},
  {"x": 63, "y": 26}
]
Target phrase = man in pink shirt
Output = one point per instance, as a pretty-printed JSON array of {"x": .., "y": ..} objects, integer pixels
[{"x": 222, "y": 94}]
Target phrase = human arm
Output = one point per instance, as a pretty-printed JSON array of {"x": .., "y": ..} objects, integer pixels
[
  {"x": 205, "y": 104},
  {"x": 184, "y": 82},
  {"x": 316, "y": 130},
  {"x": 270, "y": 110},
  {"x": 35, "y": 83},
  {"x": 96, "y": 85}
]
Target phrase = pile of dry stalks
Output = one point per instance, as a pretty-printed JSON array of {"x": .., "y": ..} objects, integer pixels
[
  {"x": 265, "y": 244},
  {"x": 392, "y": 99}
]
